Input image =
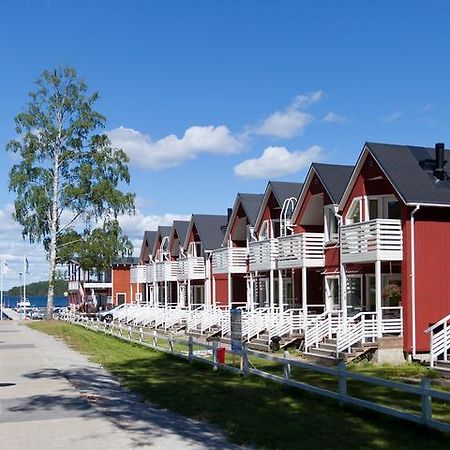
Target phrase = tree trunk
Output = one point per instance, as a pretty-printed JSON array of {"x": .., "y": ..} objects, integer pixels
[{"x": 53, "y": 231}]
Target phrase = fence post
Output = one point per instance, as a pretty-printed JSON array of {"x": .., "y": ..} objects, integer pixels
[
  {"x": 342, "y": 383},
  {"x": 141, "y": 334},
  {"x": 214, "y": 354},
  {"x": 155, "y": 338},
  {"x": 129, "y": 332},
  {"x": 427, "y": 408},
  {"x": 245, "y": 370},
  {"x": 170, "y": 340},
  {"x": 287, "y": 367},
  {"x": 191, "y": 348}
]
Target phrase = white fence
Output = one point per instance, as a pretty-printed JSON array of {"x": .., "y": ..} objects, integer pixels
[
  {"x": 301, "y": 250},
  {"x": 138, "y": 274},
  {"x": 439, "y": 340},
  {"x": 191, "y": 268},
  {"x": 374, "y": 240},
  {"x": 425, "y": 394},
  {"x": 229, "y": 260},
  {"x": 263, "y": 254}
]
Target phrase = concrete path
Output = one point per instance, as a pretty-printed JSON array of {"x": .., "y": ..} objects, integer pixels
[{"x": 51, "y": 397}]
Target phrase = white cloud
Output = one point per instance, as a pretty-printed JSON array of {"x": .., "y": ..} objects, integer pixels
[
  {"x": 292, "y": 120},
  {"x": 334, "y": 118},
  {"x": 276, "y": 161},
  {"x": 171, "y": 150},
  {"x": 13, "y": 248},
  {"x": 392, "y": 117}
]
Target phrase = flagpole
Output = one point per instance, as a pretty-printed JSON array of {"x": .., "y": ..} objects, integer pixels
[{"x": 24, "y": 286}]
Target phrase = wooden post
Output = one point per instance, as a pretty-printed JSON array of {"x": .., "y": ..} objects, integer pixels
[
  {"x": 280, "y": 291},
  {"x": 287, "y": 367},
  {"x": 378, "y": 295},
  {"x": 245, "y": 370},
  {"x": 214, "y": 354},
  {"x": 190, "y": 348},
  {"x": 271, "y": 291},
  {"x": 230, "y": 287},
  {"x": 304, "y": 292},
  {"x": 427, "y": 407},
  {"x": 342, "y": 383}
]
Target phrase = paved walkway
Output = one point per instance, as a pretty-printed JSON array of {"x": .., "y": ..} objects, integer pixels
[{"x": 51, "y": 397}]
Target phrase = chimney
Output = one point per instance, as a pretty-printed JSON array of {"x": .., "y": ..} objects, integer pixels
[
  {"x": 229, "y": 212},
  {"x": 439, "y": 167}
]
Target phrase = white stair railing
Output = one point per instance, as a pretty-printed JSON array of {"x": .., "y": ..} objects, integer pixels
[
  {"x": 323, "y": 326},
  {"x": 361, "y": 328},
  {"x": 439, "y": 340}
]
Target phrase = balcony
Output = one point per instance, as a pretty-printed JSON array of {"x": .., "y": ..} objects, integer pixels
[
  {"x": 166, "y": 271},
  {"x": 138, "y": 274},
  {"x": 263, "y": 254},
  {"x": 97, "y": 285},
  {"x": 191, "y": 268},
  {"x": 375, "y": 240},
  {"x": 229, "y": 260},
  {"x": 301, "y": 250},
  {"x": 151, "y": 272},
  {"x": 74, "y": 286}
]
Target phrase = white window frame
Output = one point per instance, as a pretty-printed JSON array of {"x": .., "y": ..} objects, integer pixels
[
  {"x": 266, "y": 227},
  {"x": 383, "y": 201},
  {"x": 328, "y": 211},
  {"x": 192, "y": 249},
  {"x": 121, "y": 293},
  {"x": 356, "y": 201},
  {"x": 360, "y": 277},
  {"x": 329, "y": 303}
]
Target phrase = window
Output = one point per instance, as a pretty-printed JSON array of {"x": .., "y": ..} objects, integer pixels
[
  {"x": 264, "y": 232},
  {"x": 120, "y": 298},
  {"x": 195, "y": 249},
  {"x": 354, "y": 294},
  {"x": 354, "y": 213},
  {"x": 384, "y": 207},
  {"x": 331, "y": 224},
  {"x": 332, "y": 302}
]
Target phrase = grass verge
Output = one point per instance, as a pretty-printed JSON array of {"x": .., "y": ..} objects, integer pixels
[{"x": 250, "y": 410}]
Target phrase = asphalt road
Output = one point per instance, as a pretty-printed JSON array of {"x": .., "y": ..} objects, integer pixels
[{"x": 51, "y": 397}]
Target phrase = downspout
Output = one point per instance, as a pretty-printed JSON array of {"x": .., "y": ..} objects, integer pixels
[{"x": 413, "y": 280}]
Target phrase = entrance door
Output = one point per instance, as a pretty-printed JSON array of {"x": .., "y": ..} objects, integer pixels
[
  {"x": 354, "y": 295},
  {"x": 120, "y": 298},
  {"x": 332, "y": 294}
]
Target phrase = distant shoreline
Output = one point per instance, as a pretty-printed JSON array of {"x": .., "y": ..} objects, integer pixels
[{"x": 37, "y": 301}]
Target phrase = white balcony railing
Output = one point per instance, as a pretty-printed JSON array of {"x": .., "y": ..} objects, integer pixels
[
  {"x": 191, "y": 268},
  {"x": 138, "y": 274},
  {"x": 97, "y": 285},
  {"x": 74, "y": 286},
  {"x": 375, "y": 240},
  {"x": 150, "y": 278},
  {"x": 263, "y": 254},
  {"x": 229, "y": 260},
  {"x": 166, "y": 271},
  {"x": 301, "y": 250}
]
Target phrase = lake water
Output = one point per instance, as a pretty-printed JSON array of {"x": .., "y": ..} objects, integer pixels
[{"x": 36, "y": 301}]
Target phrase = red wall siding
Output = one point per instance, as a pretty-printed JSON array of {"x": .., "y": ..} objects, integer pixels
[
  {"x": 121, "y": 283},
  {"x": 221, "y": 281},
  {"x": 432, "y": 245},
  {"x": 332, "y": 257}
]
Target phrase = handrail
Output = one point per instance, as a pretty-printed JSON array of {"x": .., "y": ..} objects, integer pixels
[{"x": 437, "y": 324}]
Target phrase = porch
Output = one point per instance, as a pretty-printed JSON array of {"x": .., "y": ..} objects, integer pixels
[
  {"x": 263, "y": 255},
  {"x": 229, "y": 260},
  {"x": 301, "y": 250}
]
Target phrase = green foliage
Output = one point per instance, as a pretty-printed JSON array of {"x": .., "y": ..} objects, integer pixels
[
  {"x": 68, "y": 176},
  {"x": 40, "y": 288}
]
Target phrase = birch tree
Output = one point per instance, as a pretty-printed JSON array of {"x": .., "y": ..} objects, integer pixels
[{"x": 67, "y": 176}]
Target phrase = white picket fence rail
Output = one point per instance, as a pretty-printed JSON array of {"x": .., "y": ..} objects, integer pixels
[
  {"x": 374, "y": 240},
  {"x": 439, "y": 340},
  {"x": 424, "y": 391}
]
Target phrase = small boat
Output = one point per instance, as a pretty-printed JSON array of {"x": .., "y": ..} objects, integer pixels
[{"x": 23, "y": 303}]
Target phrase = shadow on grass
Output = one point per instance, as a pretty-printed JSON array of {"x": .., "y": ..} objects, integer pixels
[{"x": 250, "y": 410}]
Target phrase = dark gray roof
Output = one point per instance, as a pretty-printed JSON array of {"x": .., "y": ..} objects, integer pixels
[
  {"x": 401, "y": 164},
  {"x": 335, "y": 179},
  {"x": 251, "y": 203},
  {"x": 147, "y": 244},
  {"x": 125, "y": 261},
  {"x": 164, "y": 230},
  {"x": 211, "y": 229},
  {"x": 181, "y": 227},
  {"x": 285, "y": 189}
]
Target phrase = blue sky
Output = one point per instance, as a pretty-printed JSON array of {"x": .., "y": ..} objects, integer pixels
[{"x": 211, "y": 98}]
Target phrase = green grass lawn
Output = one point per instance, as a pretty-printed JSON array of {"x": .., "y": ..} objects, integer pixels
[{"x": 252, "y": 410}]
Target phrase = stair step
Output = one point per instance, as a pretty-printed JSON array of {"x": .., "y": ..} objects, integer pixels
[{"x": 323, "y": 352}]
